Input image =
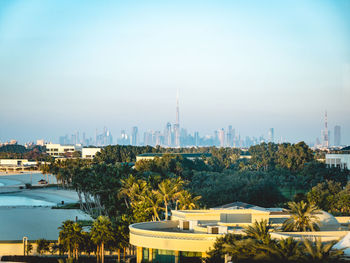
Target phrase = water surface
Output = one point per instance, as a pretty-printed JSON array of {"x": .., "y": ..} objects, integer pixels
[
  {"x": 8, "y": 182},
  {"x": 9, "y": 200}
]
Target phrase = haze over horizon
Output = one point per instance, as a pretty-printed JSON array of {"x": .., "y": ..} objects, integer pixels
[{"x": 81, "y": 65}]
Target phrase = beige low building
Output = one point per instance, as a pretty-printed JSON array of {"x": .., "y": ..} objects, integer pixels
[
  {"x": 89, "y": 153},
  {"x": 190, "y": 234},
  {"x": 190, "y": 156},
  {"x": 58, "y": 150}
]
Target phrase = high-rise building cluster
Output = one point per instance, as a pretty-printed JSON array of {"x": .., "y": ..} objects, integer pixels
[
  {"x": 173, "y": 135},
  {"x": 101, "y": 139},
  {"x": 168, "y": 138},
  {"x": 325, "y": 141}
]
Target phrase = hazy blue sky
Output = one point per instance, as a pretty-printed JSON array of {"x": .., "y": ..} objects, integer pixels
[{"x": 77, "y": 65}]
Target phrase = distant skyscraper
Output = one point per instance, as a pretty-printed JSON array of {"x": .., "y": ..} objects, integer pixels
[
  {"x": 230, "y": 136},
  {"x": 177, "y": 124},
  {"x": 221, "y": 135},
  {"x": 196, "y": 138},
  {"x": 325, "y": 132},
  {"x": 271, "y": 135},
  {"x": 337, "y": 135},
  {"x": 168, "y": 135},
  {"x": 134, "y": 136}
]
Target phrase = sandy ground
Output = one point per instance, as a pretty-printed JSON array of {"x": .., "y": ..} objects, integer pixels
[{"x": 27, "y": 178}]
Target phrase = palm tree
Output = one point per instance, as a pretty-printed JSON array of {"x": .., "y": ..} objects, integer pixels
[
  {"x": 187, "y": 201},
  {"x": 101, "y": 233},
  {"x": 71, "y": 236},
  {"x": 168, "y": 190},
  {"x": 241, "y": 249},
  {"x": 125, "y": 190},
  {"x": 43, "y": 246},
  {"x": 45, "y": 170},
  {"x": 302, "y": 217},
  {"x": 319, "y": 252},
  {"x": 284, "y": 250},
  {"x": 259, "y": 231},
  {"x": 153, "y": 204}
]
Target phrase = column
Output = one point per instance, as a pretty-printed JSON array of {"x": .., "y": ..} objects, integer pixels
[
  {"x": 150, "y": 254},
  {"x": 177, "y": 256},
  {"x": 139, "y": 254}
]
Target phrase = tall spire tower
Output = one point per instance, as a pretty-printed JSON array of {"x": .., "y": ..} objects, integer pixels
[
  {"x": 177, "y": 108},
  {"x": 325, "y": 132},
  {"x": 177, "y": 124}
]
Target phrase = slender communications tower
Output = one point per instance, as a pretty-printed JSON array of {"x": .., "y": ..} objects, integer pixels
[
  {"x": 177, "y": 125},
  {"x": 325, "y": 132}
]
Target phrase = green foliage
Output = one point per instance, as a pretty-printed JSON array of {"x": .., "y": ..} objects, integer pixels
[
  {"x": 43, "y": 246},
  {"x": 253, "y": 249},
  {"x": 230, "y": 186},
  {"x": 303, "y": 217},
  {"x": 20, "y": 152},
  {"x": 147, "y": 200},
  {"x": 259, "y": 231},
  {"x": 320, "y": 252},
  {"x": 102, "y": 231},
  {"x": 120, "y": 153},
  {"x": 331, "y": 197},
  {"x": 71, "y": 237},
  {"x": 29, "y": 248}
]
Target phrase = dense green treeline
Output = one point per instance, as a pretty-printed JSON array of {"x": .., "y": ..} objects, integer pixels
[
  {"x": 20, "y": 152},
  {"x": 111, "y": 185},
  {"x": 272, "y": 170}
]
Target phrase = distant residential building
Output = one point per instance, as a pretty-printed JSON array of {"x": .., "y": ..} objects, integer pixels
[
  {"x": 89, "y": 153},
  {"x": 40, "y": 142},
  {"x": 17, "y": 163},
  {"x": 58, "y": 150},
  {"x": 12, "y": 162},
  {"x": 190, "y": 156},
  {"x": 338, "y": 160},
  {"x": 337, "y": 135}
]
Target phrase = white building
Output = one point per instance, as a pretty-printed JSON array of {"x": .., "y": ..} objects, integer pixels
[
  {"x": 58, "y": 150},
  {"x": 40, "y": 142},
  {"x": 338, "y": 160},
  {"x": 12, "y": 162},
  {"x": 89, "y": 153}
]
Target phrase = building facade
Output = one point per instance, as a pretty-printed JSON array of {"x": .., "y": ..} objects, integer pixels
[
  {"x": 58, "y": 150},
  {"x": 190, "y": 156},
  {"x": 338, "y": 160},
  {"x": 89, "y": 153},
  {"x": 190, "y": 234}
]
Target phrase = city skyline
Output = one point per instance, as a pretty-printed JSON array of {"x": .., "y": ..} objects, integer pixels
[
  {"x": 68, "y": 66},
  {"x": 174, "y": 136}
]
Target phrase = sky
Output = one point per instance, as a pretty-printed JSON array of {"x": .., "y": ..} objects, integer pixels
[{"x": 80, "y": 65}]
